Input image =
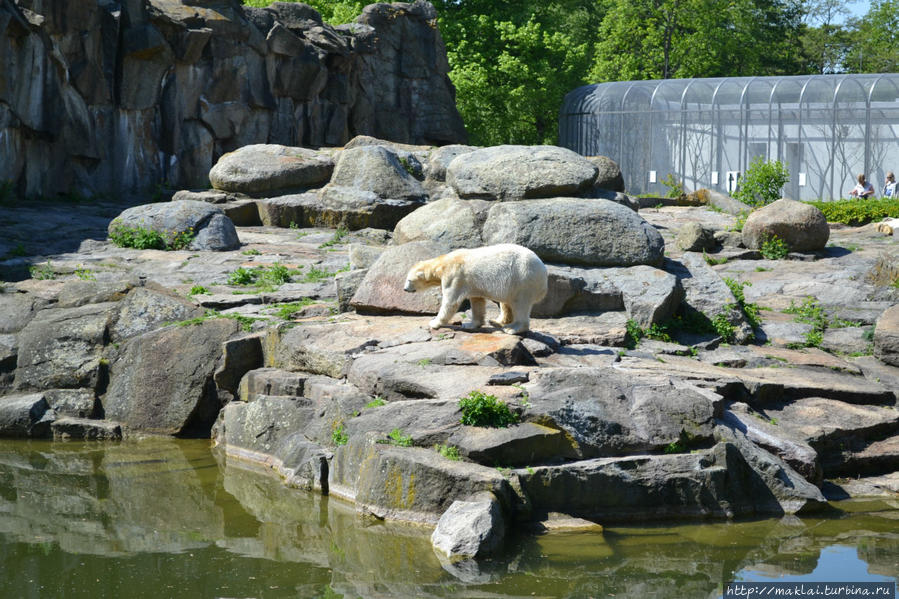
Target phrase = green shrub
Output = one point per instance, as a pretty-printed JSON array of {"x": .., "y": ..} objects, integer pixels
[
  {"x": 774, "y": 248},
  {"x": 675, "y": 187},
  {"x": 85, "y": 274},
  {"x": 265, "y": 279},
  {"x": 243, "y": 276},
  {"x": 397, "y": 438},
  {"x": 197, "y": 290},
  {"x": 286, "y": 311},
  {"x": 377, "y": 402},
  {"x": 762, "y": 183},
  {"x": 480, "y": 409},
  {"x": 448, "y": 451},
  {"x": 810, "y": 312},
  {"x": 44, "y": 272},
  {"x": 723, "y": 326},
  {"x": 751, "y": 311},
  {"x": 858, "y": 212},
  {"x": 142, "y": 238},
  {"x": 339, "y": 436}
]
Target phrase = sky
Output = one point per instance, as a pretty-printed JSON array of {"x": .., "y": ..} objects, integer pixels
[{"x": 858, "y": 8}]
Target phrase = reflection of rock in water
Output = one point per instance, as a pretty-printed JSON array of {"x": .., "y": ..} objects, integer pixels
[{"x": 111, "y": 499}]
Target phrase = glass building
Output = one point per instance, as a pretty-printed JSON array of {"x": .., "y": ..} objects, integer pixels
[{"x": 826, "y": 129}]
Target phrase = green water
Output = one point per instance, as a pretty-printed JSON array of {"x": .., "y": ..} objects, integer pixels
[{"x": 163, "y": 518}]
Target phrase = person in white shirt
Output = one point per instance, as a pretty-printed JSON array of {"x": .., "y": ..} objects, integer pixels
[
  {"x": 889, "y": 188},
  {"x": 863, "y": 189}
]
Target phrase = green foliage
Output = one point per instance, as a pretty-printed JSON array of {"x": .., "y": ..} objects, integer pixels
[
  {"x": 751, "y": 311},
  {"x": 774, "y": 248},
  {"x": 286, "y": 311},
  {"x": 739, "y": 222},
  {"x": 335, "y": 12},
  {"x": 339, "y": 234},
  {"x": 85, "y": 274},
  {"x": 480, "y": 409},
  {"x": 858, "y": 212},
  {"x": 251, "y": 252},
  {"x": 397, "y": 438},
  {"x": 675, "y": 187},
  {"x": 811, "y": 312},
  {"x": 314, "y": 275},
  {"x": 713, "y": 261},
  {"x": 377, "y": 402},
  {"x": 264, "y": 278},
  {"x": 633, "y": 333},
  {"x": 197, "y": 290},
  {"x": 142, "y": 238},
  {"x": 450, "y": 452},
  {"x": 762, "y": 183},
  {"x": 723, "y": 327},
  {"x": 245, "y": 322},
  {"x": 339, "y": 436},
  {"x": 42, "y": 272},
  {"x": 682, "y": 445}
]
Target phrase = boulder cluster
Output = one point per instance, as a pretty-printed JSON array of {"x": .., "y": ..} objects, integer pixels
[{"x": 637, "y": 394}]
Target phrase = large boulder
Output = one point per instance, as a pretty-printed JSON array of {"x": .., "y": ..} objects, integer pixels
[
  {"x": 25, "y": 416},
  {"x": 162, "y": 382},
  {"x": 356, "y": 209},
  {"x": 470, "y": 528},
  {"x": 608, "y": 173},
  {"x": 441, "y": 157},
  {"x": 63, "y": 348},
  {"x": 576, "y": 231},
  {"x": 381, "y": 291},
  {"x": 148, "y": 308},
  {"x": 519, "y": 172},
  {"x": 378, "y": 170},
  {"x": 265, "y": 169},
  {"x": 211, "y": 229},
  {"x": 801, "y": 226},
  {"x": 450, "y": 221},
  {"x": 886, "y": 336}
]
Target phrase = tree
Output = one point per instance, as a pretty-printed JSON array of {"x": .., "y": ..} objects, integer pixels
[
  {"x": 660, "y": 39},
  {"x": 875, "y": 46}
]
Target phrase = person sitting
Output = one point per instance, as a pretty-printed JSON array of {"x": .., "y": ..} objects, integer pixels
[
  {"x": 889, "y": 188},
  {"x": 863, "y": 189}
]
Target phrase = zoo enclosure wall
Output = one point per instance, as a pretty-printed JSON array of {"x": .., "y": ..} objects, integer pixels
[{"x": 705, "y": 132}]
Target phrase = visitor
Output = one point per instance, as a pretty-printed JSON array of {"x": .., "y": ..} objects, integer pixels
[
  {"x": 863, "y": 189},
  {"x": 889, "y": 188}
]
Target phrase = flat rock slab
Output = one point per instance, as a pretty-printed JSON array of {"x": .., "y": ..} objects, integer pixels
[
  {"x": 519, "y": 172},
  {"x": 426, "y": 421},
  {"x": 517, "y": 445},
  {"x": 266, "y": 168},
  {"x": 606, "y": 329},
  {"x": 606, "y": 413},
  {"x": 84, "y": 429}
]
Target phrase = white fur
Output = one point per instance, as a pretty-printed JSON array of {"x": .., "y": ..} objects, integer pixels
[{"x": 506, "y": 273}]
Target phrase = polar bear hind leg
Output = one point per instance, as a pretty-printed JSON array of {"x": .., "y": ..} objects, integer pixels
[
  {"x": 478, "y": 313},
  {"x": 505, "y": 315},
  {"x": 519, "y": 317}
]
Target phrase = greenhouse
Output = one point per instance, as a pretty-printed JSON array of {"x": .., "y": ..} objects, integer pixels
[{"x": 826, "y": 129}]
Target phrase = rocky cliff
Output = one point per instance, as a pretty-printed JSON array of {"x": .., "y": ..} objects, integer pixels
[{"x": 100, "y": 96}]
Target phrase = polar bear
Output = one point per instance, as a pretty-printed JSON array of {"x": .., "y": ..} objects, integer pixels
[{"x": 506, "y": 273}]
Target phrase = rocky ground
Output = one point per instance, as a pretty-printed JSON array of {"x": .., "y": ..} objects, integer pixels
[{"x": 296, "y": 348}]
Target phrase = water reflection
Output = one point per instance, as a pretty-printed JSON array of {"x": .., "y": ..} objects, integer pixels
[{"x": 166, "y": 518}]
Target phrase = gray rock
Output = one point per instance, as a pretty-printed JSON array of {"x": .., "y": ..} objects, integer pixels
[
  {"x": 802, "y": 226},
  {"x": 517, "y": 445},
  {"x": 415, "y": 159},
  {"x": 724, "y": 202},
  {"x": 886, "y": 337},
  {"x": 77, "y": 403},
  {"x": 716, "y": 482},
  {"x": 381, "y": 291},
  {"x": 267, "y": 169},
  {"x": 613, "y": 196},
  {"x": 147, "y": 308},
  {"x": 426, "y": 421},
  {"x": 378, "y": 170},
  {"x": 76, "y": 292},
  {"x": 69, "y": 428},
  {"x": 354, "y": 209},
  {"x": 608, "y": 173},
  {"x": 576, "y": 231},
  {"x": 286, "y": 210},
  {"x": 469, "y": 529},
  {"x": 441, "y": 157},
  {"x": 25, "y": 416},
  {"x": 63, "y": 348},
  {"x": 407, "y": 483},
  {"x": 452, "y": 222},
  {"x": 211, "y": 228},
  {"x": 162, "y": 382},
  {"x": 17, "y": 310},
  {"x": 519, "y": 172},
  {"x": 693, "y": 237},
  {"x": 347, "y": 284},
  {"x": 607, "y": 413},
  {"x": 363, "y": 256}
]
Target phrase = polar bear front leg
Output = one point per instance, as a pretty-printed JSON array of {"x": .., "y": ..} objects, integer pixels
[
  {"x": 452, "y": 299},
  {"x": 478, "y": 313}
]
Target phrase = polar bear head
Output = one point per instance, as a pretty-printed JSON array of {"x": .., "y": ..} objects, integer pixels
[{"x": 421, "y": 276}]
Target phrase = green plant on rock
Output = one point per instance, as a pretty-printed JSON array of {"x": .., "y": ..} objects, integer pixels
[
  {"x": 633, "y": 333},
  {"x": 751, "y": 311},
  {"x": 762, "y": 183},
  {"x": 450, "y": 452},
  {"x": 339, "y": 436},
  {"x": 810, "y": 312},
  {"x": 286, "y": 311},
  {"x": 774, "y": 248},
  {"x": 397, "y": 438},
  {"x": 42, "y": 272},
  {"x": 675, "y": 187},
  {"x": 198, "y": 290},
  {"x": 337, "y": 238},
  {"x": 85, "y": 274},
  {"x": 480, "y": 409},
  {"x": 723, "y": 327},
  {"x": 143, "y": 238},
  {"x": 377, "y": 402}
]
